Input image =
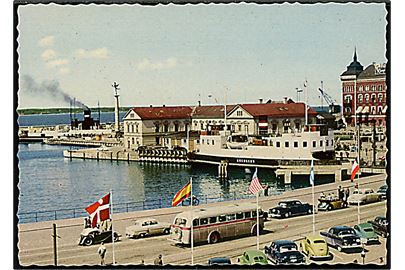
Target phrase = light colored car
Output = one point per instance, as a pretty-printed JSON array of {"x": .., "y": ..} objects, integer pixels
[
  {"x": 363, "y": 196},
  {"x": 315, "y": 247},
  {"x": 147, "y": 227}
]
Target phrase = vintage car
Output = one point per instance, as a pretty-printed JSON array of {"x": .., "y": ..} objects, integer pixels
[
  {"x": 315, "y": 247},
  {"x": 366, "y": 233},
  {"x": 286, "y": 209},
  {"x": 329, "y": 203},
  {"x": 284, "y": 252},
  {"x": 342, "y": 238},
  {"x": 380, "y": 225},
  {"x": 219, "y": 261},
  {"x": 382, "y": 191},
  {"x": 251, "y": 257},
  {"x": 90, "y": 236},
  {"x": 363, "y": 196},
  {"x": 147, "y": 227}
]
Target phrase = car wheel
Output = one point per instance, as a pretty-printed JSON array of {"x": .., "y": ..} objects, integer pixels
[
  {"x": 329, "y": 207},
  {"x": 141, "y": 235},
  {"x": 286, "y": 215},
  {"x": 214, "y": 238},
  {"x": 115, "y": 237},
  {"x": 309, "y": 211},
  {"x": 88, "y": 241},
  {"x": 339, "y": 248},
  {"x": 166, "y": 231}
]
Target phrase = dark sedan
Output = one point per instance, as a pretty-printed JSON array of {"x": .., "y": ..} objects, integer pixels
[
  {"x": 343, "y": 238},
  {"x": 284, "y": 252},
  {"x": 380, "y": 226},
  {"x": 286, "y": 209}
]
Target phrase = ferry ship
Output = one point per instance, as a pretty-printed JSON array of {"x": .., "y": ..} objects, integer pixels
[{"x": 314, "y": 142}]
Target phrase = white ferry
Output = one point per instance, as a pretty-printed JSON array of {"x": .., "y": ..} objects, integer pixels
[{"x": 314, "y": 142}]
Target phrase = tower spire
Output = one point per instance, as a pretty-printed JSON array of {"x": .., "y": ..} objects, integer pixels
[{"x": 355, "y": 55}]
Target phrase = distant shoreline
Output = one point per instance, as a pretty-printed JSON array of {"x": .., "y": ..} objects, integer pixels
[{"x": 32, "y": 111}]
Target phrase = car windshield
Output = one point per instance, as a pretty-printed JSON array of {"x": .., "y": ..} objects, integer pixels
[
  {"x": 258, "y": 258},
  {"x": 346, "y": 232},
  {"x": 319, "y": 242},
  {"x": 283, "y": 205},
  {"x": 368, "y": 230},
  {"x": 180, "y": 221},
  {"x": 288, "y": 248},
  {"x": 357, "y": 192}
]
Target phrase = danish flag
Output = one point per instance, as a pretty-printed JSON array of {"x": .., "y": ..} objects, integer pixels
[
  {"x": 355, "y": 169},
  {"x": 99, "y": 210}
]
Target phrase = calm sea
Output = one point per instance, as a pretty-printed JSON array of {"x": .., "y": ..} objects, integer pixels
[{"x": 48, "y": 182}]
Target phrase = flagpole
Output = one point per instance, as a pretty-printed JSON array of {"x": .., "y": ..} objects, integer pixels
[
  {"x": 306, "y": 102},
  {"x": 358, "y": 146},
  {"x": 192, "y": 231},
  {"x": 313, "y": 207},
  {"x": 257, "y": 220},
  {"x": 112, "y": 227}
]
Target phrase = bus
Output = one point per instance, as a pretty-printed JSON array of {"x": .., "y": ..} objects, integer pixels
[{"x": 211, "y": 225}]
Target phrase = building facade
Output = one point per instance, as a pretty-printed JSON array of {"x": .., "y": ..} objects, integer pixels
[
  {"x": 364, "y": 93},
  {"x": 171, "y": 126}
]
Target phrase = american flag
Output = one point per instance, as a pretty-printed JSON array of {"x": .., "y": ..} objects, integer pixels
[{"x": 255, "y": 185}]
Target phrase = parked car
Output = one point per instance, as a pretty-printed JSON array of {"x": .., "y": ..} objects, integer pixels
[
  {"x": 251, "y": 257},
  {"x": 90, "y": 236},
  {"x": 380, "y": 225},
  {"x": 284, "y": 252},
  {"x": 315, "y": 247},
  {"x": 146, "y": 227},
  {"x": 331, "y": 203},
  {"x": 219, "y": 261},
  {"x": 363, "y": 196},
  {"x": 382, "y": 191},
  {"x": 342, "y": 238},
  {"x": 366, "y": 233},
  {"x": 286, "y": 209}
]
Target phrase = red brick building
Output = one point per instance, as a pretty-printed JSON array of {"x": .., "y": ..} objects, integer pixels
[{"x": 371, "y": 93}]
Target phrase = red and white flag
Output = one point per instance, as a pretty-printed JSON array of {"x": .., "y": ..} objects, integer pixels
[
  {"x": 355, "y": 169},
  {"x": 99, "y": 210},
  {"x": 255, "y": 185}
]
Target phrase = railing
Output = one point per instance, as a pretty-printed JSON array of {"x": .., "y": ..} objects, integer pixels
[{"x": 38, "y": 216}]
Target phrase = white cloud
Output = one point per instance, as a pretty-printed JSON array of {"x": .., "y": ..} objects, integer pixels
[
  {"x": 46, "y": 41},
  {"x": 57, "y": 63},
  {"x": 48, "y": 54},
  {"x": 146, "y": 64},
  {"x": 96, "y": 53},
  {"x": 64, "y": 70}
]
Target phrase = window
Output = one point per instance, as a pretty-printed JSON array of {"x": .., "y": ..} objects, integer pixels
[
  {"x": 213, "y": 220},
  {"x": 137, "y": 129},
  {"x": 380, "y": 87},
  {"x": 326, "y": 142},
  {"x": 331, "y": 142},
  {"x": 176, "y": 127},
  {"x": 373, "y": 110},
  {"x": 133, "y": 140},
  {"x": 247, "y": 215},
  {"x": 361, "y": 88},
  {"x": 202, "y": 141},
  {"x": 366, "y": 97},
  {"x": 198, "y": 141},
  {"x": 195, "y": 222},
  {"x": 348, "y": 98},
  {"x": 254, "y": 214},
  {"x": 373, "y": 98},
  {"x": 367, "y": 88},
  {"x": 212, "y": 142},
  {"x": 203, "y": 221},
  {"x": 360, "y": 98},
  {"x": 202, "y": 126},
  {"x": 295, "y": 144},
  {"x": 239, "y": 127},
  {"x": 348, "y": 109},
  {"x": 166, "y": 128},
  {"x": 230, "y": 217},
  {"x": 239, "y": 113},
  {"x": 239, "y": 215},
  {"x": 380, "y": 97},
  {"x": 286, "y": 144},
  {"x": 320, "y": 143},
  {"x": 373, "y": 88},
  {"x": 222, "y": 218},
  {"x": 379, "y": 110},
  {"x": 278, "y": 144},
  {"x": 208, "y": 142},
  {"x": 313, "y": 143},
  {"x": 305, "y": 144}
]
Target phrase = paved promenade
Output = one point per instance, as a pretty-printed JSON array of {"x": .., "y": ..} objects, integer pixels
[{"x": 35, "y": 241}]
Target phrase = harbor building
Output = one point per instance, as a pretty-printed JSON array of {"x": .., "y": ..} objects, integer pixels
[
  {"x": 170, "y": 126},
  {"x": 369, "y": 86}
]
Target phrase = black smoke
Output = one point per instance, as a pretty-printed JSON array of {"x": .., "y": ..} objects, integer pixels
[{"x": 51, "y": 88}]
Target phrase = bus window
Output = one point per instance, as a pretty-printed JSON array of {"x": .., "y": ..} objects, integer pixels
[
  {"x": 203, "y": 221},
  {"x": 239, "y": 215},
  {"x": 180, "y": 221},
  {"x": 254, "y": 214},
  {"x": 247, "y": 215},
  {"x": 230, "y": 217},
  {"x": 222, "y": 218},
  {"x": 195, "y": 222},
  {"x": 213, "y": 220}
]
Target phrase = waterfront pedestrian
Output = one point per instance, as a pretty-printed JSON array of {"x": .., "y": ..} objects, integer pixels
[
  {"x": 347, "y": 194},
  {"x": 356, "y": 186},
  {"x": 87, "y": 222},
  {"x": 266, "y": 190},
  {"x": 322, "y": 196},
  {"x": 341, "y": 193},
  {"x": 158, "y": 260},
  {"x": 102, "y": 251}
]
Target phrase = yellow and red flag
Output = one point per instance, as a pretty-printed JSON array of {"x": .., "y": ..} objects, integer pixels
[{"x": 182, "y": 194}]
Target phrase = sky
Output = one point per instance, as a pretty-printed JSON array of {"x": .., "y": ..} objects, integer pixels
[{"x": 177, "y": 55}]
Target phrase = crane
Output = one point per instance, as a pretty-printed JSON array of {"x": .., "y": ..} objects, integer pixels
[{"x": 333, "y": 108}]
